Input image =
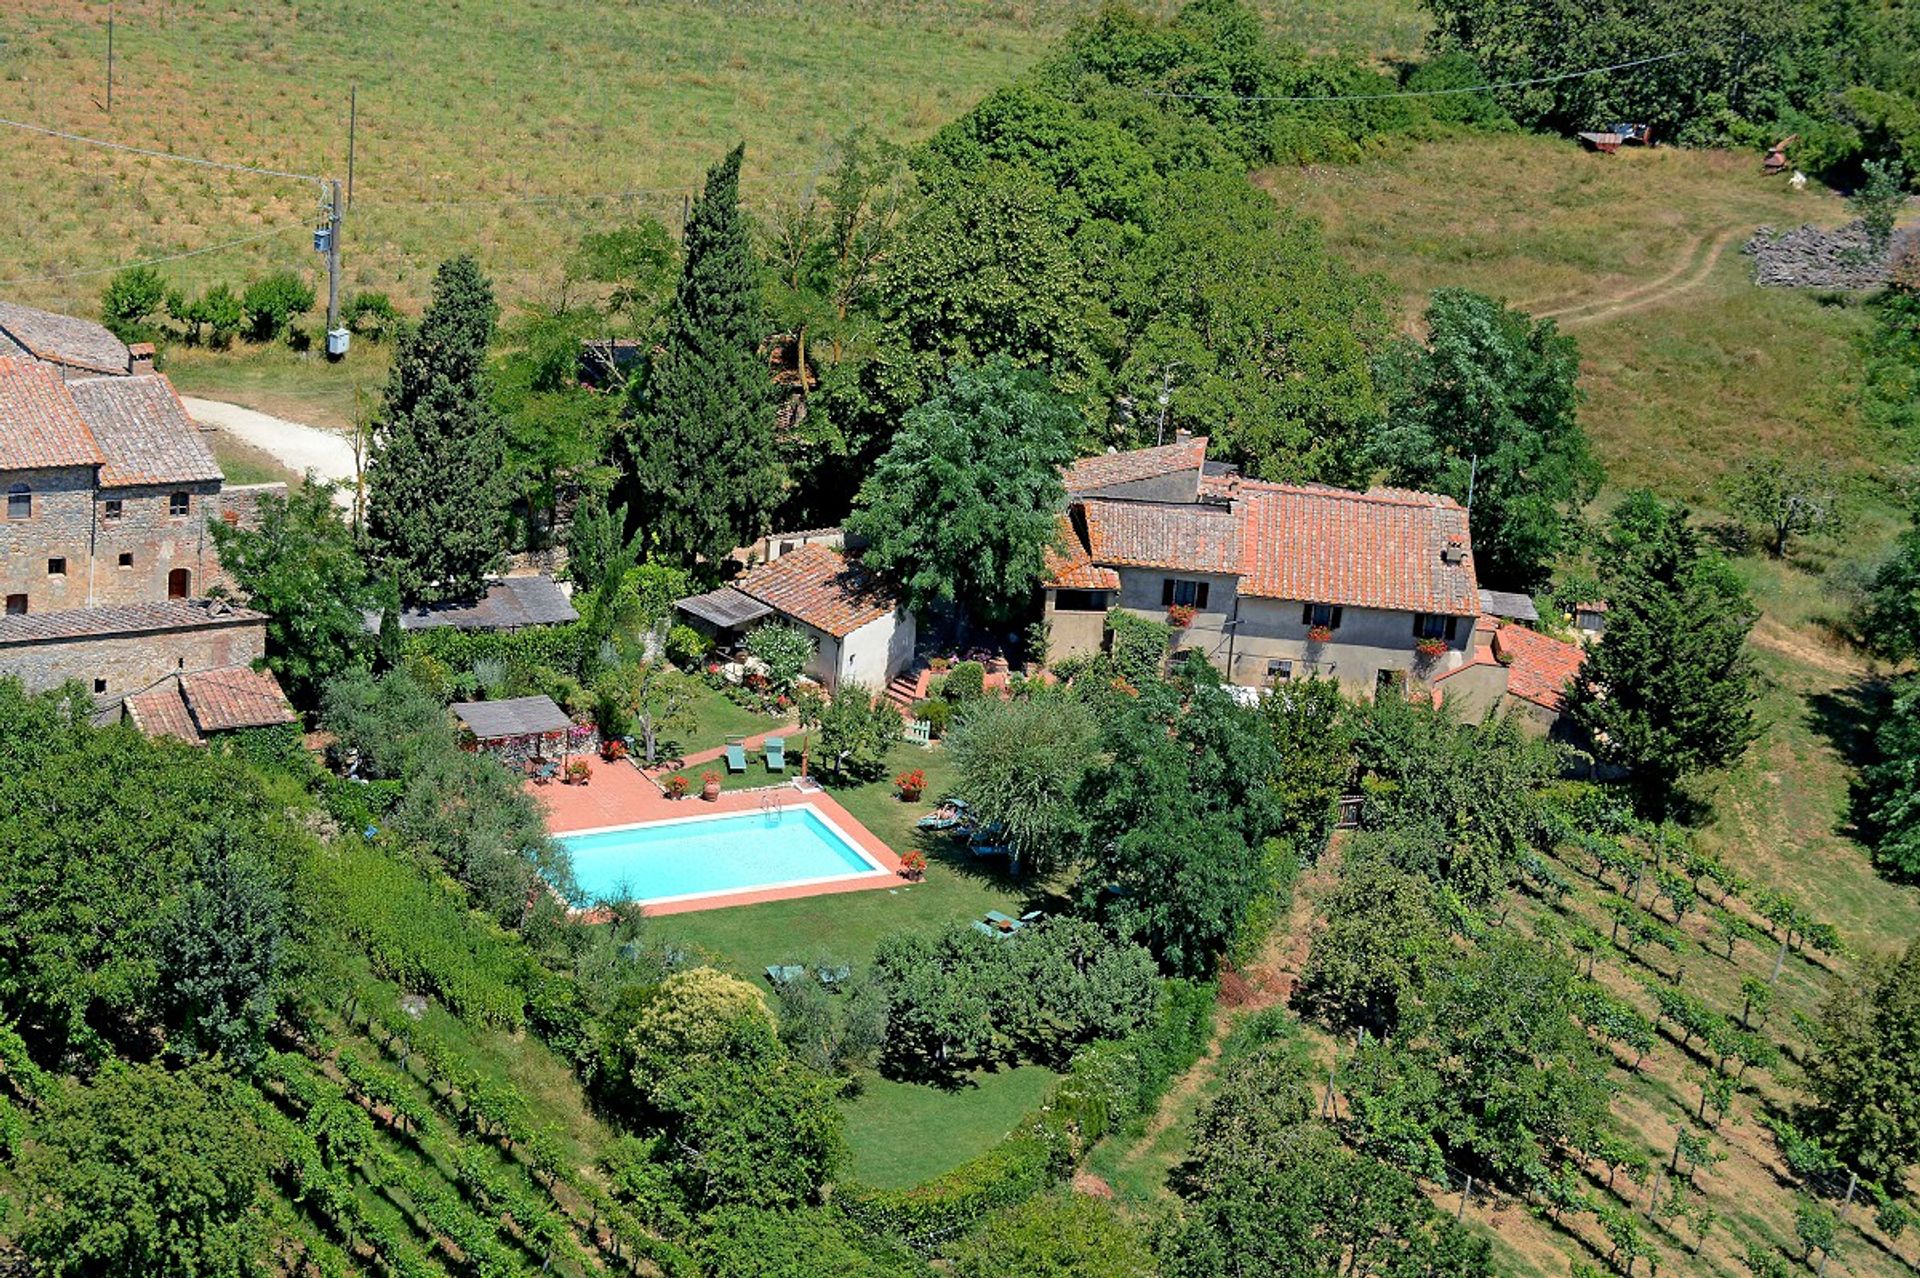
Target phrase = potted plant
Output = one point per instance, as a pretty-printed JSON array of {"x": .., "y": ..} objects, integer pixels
[
  {"x": 1181, "y": 616},
  {"x": 710, "y": 786},
  {"x": 578, "y": 771},
  {"x": 1319, "y": 634},
  {"x": 911, "y": 785},
  {"x": 913, "y": 866},
  {"x": 676, "y": 786},
  {"x": 1431, "y": 649},
  {"x": 613, "y": 749}
]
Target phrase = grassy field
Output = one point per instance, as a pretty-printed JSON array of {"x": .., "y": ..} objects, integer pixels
[
  {"x": 904, "y": 1133},
  {"x": 504, "y": 126}
]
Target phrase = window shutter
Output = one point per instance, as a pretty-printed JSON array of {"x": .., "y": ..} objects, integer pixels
[
  {"x": 1200, "y": 599},
  {"x": 1453, "y": 628},
  {"x": 1419, "y": 625},
  {"x": 1166, "y": 592},
  {"x": 1335, "y": 623},
  {"x": 1306, "y": 614}
]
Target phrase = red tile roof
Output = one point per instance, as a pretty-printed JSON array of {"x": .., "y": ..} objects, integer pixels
[
  {"x": 39, "y": 424},
  {"x": 144, "y": 430},
  {"x": 1378, "y": 549},
  {"x": 159, "y": 711},
  {"x": 1070, "y": 567},
  {"x": 1107, "y": 469},
  {"x": 819, "y": 586},
  {"x": 237, "y": 697},
  {"x": 1539, "y": 668},
  {"x": 1143, "y": 534}
]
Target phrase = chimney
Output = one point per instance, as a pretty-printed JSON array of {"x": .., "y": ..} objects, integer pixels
[
  {"x": 1181, "y": 434},
  {"x": 140, "y": 358},
  {"x": 1454, "y": 552}
]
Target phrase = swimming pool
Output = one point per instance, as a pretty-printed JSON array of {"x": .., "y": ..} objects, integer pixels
[{"x": 665, "y": 861}]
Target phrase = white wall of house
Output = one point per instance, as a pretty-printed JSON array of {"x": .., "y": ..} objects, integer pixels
[{"x": 879, "y": 650}]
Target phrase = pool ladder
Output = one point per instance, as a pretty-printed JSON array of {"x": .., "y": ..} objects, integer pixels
[{"x": 771, "y": 808}]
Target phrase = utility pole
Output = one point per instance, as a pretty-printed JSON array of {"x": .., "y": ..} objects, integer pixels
[
  {"x": 110, "y": 8},
  {"x": 334, "y": 219},
  {"x": 353, "y": 122},
  {"x": 1166, "y": 398}
]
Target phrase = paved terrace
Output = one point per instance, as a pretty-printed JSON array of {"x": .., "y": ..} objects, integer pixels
[{"x": 621, "y": 794}]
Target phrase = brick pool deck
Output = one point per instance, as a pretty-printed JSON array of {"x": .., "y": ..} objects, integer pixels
[{"x": 620, "y": 794}]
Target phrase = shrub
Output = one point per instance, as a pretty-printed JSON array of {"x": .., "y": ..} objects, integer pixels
[
  {"x": 686, "y": 647},
  {"x": 966, "y": 682},
  {"x": 131, "y": 298},
  {"x": 938, "y": 713},
  {"x": 372, "y": 316},
  {"x": 272, "y": 302}
]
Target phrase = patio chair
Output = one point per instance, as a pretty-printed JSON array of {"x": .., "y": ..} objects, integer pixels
[
  {"x": 737, "y": 755},
  {"x": 544, "y": 770},
  {"x": 776, "y": 751}
]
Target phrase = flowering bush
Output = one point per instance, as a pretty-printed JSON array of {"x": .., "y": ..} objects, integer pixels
[
  {"x": 913, "y": 865},
  {"x": 1319, "y": 634},
  {"x": 613, "y": 750},
  {"x": 911, "y": 784},
  {"x": 1181, "y": 615},
  {"x": 676, "y": 786}
]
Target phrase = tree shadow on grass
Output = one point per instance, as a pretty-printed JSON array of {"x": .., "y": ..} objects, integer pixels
[{"x": 1846, "y": 718}]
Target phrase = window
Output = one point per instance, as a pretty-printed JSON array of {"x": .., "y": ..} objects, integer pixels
[
  {"x": 1178, "y": 592},
  {"x": 179, "y": 504},
  {"x": 19, "y": 502},
  {"x": 57, "y": 566},
  {"x": 1390, "y": 681},
  {"x": 1320, "y": 617},
  {"x": 1434, "y": 625},
  {"x": 126, "y": 559},
  {"x": 179, "y": 584},
  {"x": 16, "y": 605},
  {"x": 1279, "y": 671},
  {"x": 1079, "y": 601},
  {"x": 112, "y": 508},
  {"x": 99, "y": 686}
]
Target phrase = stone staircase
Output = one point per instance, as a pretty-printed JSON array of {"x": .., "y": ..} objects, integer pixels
[{"x": 907, "y": 687}]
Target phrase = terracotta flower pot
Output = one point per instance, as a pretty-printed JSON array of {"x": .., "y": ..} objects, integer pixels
[{"x": 710, "y": 791}]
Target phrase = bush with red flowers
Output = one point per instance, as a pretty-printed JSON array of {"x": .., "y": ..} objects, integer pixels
[
  {"x": 1180, "y": 616},
  {"x": 911, "y": 784}
]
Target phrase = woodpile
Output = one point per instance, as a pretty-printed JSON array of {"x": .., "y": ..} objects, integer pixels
[{"x": 1821, "y": 257}]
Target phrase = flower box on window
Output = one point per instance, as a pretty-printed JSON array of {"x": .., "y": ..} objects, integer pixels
[
  {"x": 1319, "y": 634},
  {"x": 1429, "y": 649},
  {"x": 1180, "y": 616}
]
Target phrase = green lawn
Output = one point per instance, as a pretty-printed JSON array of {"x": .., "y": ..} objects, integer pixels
[{"x": 904, "y": 1133}]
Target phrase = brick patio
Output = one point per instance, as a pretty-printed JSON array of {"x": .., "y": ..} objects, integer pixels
[{"x": 620, "y": 794}]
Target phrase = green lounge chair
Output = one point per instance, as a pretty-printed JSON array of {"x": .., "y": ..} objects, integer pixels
[
  {"x": 737, "y": 755},
  {"x": 781, "y": 973},
  {"x": 776, "y": 748}
]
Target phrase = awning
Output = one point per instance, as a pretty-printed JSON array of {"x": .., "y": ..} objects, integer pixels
[
  {"x": 513, "y": 717},
  {"x": 726, "y": 608}
]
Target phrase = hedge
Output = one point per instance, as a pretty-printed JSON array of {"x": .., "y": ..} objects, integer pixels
[
  {"x": 556, "y": 647},
  {"x": 1109, "y": 1084}
]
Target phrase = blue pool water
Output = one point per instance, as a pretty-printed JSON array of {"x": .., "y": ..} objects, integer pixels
[{"x": 669, "y": 860}]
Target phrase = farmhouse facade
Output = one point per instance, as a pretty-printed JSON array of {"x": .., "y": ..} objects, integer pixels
[{"x": 1269, "y": 582}]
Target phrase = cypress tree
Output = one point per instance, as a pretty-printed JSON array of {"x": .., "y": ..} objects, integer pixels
[
  {"x": 435, "y": 509},
  {"x": 704, "y": 475}
]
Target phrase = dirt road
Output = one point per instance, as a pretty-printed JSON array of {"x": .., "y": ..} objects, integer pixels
[{"x": 298, "y": 447}]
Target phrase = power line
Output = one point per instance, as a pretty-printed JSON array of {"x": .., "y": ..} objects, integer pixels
[
  {"x": 1417, "y": 93},
  {"x": 159, "y": 155},
  {"x": 155, "y": 261}
]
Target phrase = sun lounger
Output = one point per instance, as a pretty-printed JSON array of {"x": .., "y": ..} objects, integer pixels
[
  {"x": 736, "y": 755},
  {"x": 981, "y": 925},
  {"x": 776, "y": 750},
  {"x": 987, "y": 849},
  {"x": 939, "y": 819},
  {"x": 781, "y": 973},
  {"x": 833, "y": 976}
]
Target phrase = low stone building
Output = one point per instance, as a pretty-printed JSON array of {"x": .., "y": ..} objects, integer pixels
[
  {"x": 1514, "y": 669},
  {"x": 861, "y": 631},
  {"x": 198, "y": 706},
  {"x": 125, "y": 648},
  {"x": 1269, "y": 582},
  {"x": 71, "y": 346}
]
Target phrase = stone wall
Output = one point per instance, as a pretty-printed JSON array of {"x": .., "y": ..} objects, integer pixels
[
  {"x": 60, "y": 525},
  {"x": 1820, "y": 257},
  {"x": 111, "y": 666}
]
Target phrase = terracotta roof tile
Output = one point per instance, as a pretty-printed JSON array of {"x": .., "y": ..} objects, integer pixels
[
  {"x": 1539, "y": 668},
  {"x": 1378, "y": 549},
  {"x": 1141, "y": 534},
  {"x": 144, "y": 430},
  {"x": 237, "y": 697},
  {"x": 63, "y": 339},
  {"x": 818, "y": 585},
  {"x": 1070, "y": 567},
  {"x": 40, "y": 425},
  {"x": 160, "y": 711},
  {"x": 121, "y": 619},
  {"x": 1107, "y": 469}
]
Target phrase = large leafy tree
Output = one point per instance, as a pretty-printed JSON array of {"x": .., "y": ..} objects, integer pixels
[
  {"x": 435, "y": 507},
  {"x": 1384, "y": 931},
  {"x": 1889, "y": 623},
  {"x": 1865, "y": 1073},
  {"x": 704, "y": 471},
  {"x": 1020, "y": 768},
  {"x": 1891, "y": 784},
  {"x": 1670, "y": 690},
  {"x": 299, "y": 565},
  {"x": 144, "y": 1172},
  {"x": 1487, "y": 409},
  {"x": 1057, "y": 1235},
  {"x": 1309, "y": 722},
  {"x": 964, "y": 506},
  {"x": 556, "y": 430}
]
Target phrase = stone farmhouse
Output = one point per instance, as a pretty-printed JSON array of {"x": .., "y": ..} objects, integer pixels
[
  {"x": 1270, "y": 582},
  {"x": 106, "y": 559}
]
